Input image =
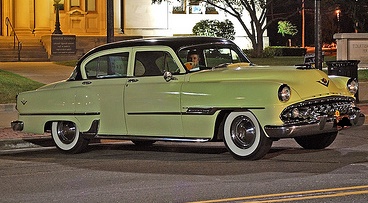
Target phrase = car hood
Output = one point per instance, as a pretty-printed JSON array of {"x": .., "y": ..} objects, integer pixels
[{"x": 307, "y": 83}]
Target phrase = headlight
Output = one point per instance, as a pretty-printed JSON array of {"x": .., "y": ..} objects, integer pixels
[
  {"x": 352, "y": 85},
  {"x": 284, "y": 93}
]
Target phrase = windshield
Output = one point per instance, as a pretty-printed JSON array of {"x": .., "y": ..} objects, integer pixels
[{"x": 206, "y": 57}]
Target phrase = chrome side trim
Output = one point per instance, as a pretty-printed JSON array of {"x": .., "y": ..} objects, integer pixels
[
  {"x": 61, "y": 114},
  {"x": 213, "y": 110},
  {"x": 173, "y": 139}
]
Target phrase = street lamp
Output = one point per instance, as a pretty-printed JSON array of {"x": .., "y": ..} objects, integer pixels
[
  {"x": 338, "y": 12},
  {"x": 303, "y": 23},
  {"x": 57, "y": 22}
]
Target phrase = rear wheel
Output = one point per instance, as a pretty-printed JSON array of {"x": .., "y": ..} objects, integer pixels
[
  {"x": 320, "y": 141},
  {"x": 67, "y": 137},
  {"x": 244, "y": 138}
]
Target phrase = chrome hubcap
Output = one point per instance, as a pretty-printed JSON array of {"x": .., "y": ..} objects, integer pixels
[
  {"x": 243, "y": 132},
  {"x": 66, "y": 132}
]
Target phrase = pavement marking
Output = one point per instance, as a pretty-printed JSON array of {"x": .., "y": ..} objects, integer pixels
[{"x": 299, "y": 195}]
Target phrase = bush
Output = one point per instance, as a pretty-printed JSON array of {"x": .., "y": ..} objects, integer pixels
[
  {"x": 270, "y": 52},
  {"x": 289, "y": 51},
  {"x": 267, "y": 53},
  {"x": 215, "y": 28}
]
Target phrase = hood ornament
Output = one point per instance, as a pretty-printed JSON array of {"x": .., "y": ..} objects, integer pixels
[{"x": 324, "y": 82}]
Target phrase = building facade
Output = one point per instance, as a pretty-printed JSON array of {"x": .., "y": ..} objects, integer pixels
[{"x": 131, "y": 18}]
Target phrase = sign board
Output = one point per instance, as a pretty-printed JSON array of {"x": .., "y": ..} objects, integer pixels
[
  {"x": 358, "y": 50},
  {"x": 63, "y": 44}
]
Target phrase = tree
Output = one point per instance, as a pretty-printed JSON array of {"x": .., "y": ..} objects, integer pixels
[
  {"x": 215, "y": 28},
  {"x": 260, "y": 12},
  {"x": 287, "y": 28}
]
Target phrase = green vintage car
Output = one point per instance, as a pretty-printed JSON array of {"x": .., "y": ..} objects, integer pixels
[{"x": 145, "y": 90}]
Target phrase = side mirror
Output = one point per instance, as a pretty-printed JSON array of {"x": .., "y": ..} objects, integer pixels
[{"x": 168, "y": 76}]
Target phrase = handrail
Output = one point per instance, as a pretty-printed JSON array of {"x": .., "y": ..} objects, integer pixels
[{"x": 19, "y": 47}]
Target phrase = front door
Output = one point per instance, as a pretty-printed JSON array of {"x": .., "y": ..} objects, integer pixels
[{"x": 152, "y": 104}]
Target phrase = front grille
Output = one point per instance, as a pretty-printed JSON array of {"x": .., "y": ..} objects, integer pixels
[{"x": 310, "y": 111}]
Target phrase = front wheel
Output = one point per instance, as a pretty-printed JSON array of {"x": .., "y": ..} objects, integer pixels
[
  {"x": 244, "y": 138},
  {"x": 320, "y": 141},
  {"x": 67, "y": 137}
]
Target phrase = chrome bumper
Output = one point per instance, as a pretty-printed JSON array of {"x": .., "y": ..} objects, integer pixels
[
  {"x": 17, "y": 125},
  {"x": 323, "y": 126}
]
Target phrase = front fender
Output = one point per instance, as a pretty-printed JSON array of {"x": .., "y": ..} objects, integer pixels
[{"x": 260, "y": 98}]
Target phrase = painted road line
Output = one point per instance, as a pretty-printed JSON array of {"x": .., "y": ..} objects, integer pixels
[{"x": 298, "y": 195}]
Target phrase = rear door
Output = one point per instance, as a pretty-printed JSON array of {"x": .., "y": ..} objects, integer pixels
[{"x": 102, "y": 90}]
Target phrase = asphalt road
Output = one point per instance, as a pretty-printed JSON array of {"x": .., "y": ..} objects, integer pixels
[{"x": 184, "y": 172}]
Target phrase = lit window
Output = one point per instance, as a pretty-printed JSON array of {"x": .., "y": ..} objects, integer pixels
[
  {"x": 74, "y": 3},
  {"x": 90, "y": 5}
]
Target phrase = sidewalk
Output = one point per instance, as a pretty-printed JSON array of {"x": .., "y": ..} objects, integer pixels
[{"x": 48, "y": 72}]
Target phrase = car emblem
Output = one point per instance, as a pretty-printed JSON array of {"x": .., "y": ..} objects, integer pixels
[
  {"x": 24, "y": 102},
  {"x": 324, "y": 82}
]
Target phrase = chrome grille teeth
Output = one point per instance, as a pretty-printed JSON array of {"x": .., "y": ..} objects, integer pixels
[{"x": 311, "y": 111}]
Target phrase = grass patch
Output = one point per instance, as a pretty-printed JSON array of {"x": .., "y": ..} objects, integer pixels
[
  {"x": 11, "y": 84},
  {"x": 71, "y": 63}
]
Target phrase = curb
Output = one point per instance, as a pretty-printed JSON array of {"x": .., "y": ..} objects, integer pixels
[
  {"x": 26, "y": 143},
  {"x": 7, "y": 107}
]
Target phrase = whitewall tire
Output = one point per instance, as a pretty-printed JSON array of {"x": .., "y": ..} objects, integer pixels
[
  {"x": 244, "y": 137},
  {"x": 67, "y": 137}
]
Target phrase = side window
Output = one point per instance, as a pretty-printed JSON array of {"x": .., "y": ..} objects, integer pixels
[
  {"x": 216, "y": 57},
  {"x": 166, "y": 63},
  {"x": 154, "y": 63},
  {"x": 108, "y": 66}
]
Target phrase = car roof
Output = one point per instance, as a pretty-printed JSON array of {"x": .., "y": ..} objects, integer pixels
[{"x": 173, "y": 42}]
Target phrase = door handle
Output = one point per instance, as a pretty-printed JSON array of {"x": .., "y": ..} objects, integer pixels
[
  {"x": 133, "y": 80},
  {"x": 86, "y": 82}
]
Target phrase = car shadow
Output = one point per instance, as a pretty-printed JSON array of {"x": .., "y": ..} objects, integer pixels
[{"x": 191, "y": 159}]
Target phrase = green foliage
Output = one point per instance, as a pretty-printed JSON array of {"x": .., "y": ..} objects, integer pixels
[
  {"x": 268, "y": 52},
  {"x": 215, "y": 28},
  {"x": 286, "y": 28},
  {"x": 12, "y": 84},
  {"x": 273, "y": 51}
]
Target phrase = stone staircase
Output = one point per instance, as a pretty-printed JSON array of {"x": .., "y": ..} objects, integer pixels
[{"x": 32, "y": 49}]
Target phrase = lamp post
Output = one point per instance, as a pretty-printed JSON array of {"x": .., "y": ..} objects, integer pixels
[
  {"x": 110, "y": 21},
  {"x": 338, "y": 12},
  {"x": 318, "y": 35},
  {"x": 57, "y": 22},
  {"x": 303, "y": 23}
]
